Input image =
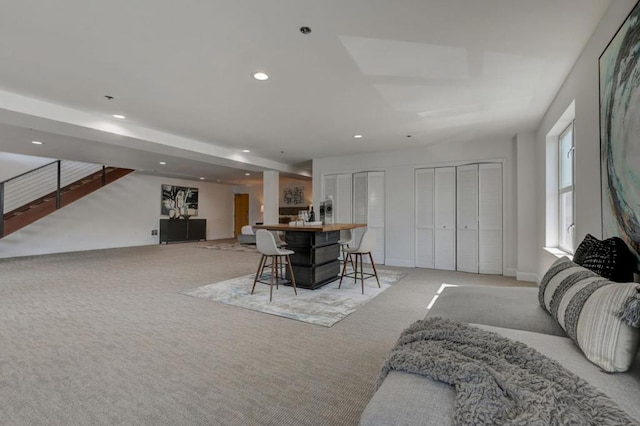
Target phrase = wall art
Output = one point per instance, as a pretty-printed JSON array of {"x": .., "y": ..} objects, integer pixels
[
  {"x": 620, "y": 134},
  {"x": 179, "y": 201}
]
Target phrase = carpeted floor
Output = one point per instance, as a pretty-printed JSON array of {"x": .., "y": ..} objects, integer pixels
[{"x": 105, "y": 337}]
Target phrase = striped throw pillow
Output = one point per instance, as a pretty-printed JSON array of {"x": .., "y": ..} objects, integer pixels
[{"x": 599, "y": 315}]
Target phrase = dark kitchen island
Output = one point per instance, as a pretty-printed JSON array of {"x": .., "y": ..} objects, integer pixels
[{"x": 316, "y": 261}]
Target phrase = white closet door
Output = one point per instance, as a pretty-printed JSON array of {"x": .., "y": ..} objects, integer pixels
[
  {"x": 343, "y": 199},
  {"x": 467, "y": 218},
  {"x": 328, "y": 187},
  {"x": 490, "y": 219},
  {"x": 360, "y": 198},
  {"x": 445, "y": 218},
  {"x": 424, "y": 218},
  {"x": 375, "y": 219}
]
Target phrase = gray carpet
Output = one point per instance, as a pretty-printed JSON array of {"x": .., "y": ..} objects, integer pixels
[{"x": 105, "y": 337}]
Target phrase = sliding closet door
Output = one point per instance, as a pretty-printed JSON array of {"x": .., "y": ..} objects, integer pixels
[
  {"x": 490, "y": 218},
  {"x": 425, "y": 179},
  {"x": 445, "y": 218},
  {"x": 343, "y": 198},
  {"x": 467, "y": 218}
]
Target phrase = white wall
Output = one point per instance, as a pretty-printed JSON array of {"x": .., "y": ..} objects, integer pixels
[
  {"x": 118, "y": 215},
  {"x": 581, "y": 85},
  {"x": 12, "y": 165},
  {"x": 399, "y": 168},
  {"x": 256, "y": 196}
]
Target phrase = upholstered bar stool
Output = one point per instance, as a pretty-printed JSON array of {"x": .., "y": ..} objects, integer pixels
[
  {"x": 366, "y": 245},
  {"x": 266, "y": 245}
]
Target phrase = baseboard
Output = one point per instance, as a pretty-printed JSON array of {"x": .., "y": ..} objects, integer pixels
[
  {"x": 527, "y": 276},
  {"x": 510, "y": 272},
  {"x": 399, "y": 262}
]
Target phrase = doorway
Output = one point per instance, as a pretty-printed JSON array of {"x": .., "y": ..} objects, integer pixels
[{"x": 240, "y": 213}]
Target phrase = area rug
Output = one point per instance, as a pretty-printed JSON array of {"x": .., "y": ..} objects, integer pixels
[
  {"x": 325, "y": 306},
  {"x": 233, "y": 247}
]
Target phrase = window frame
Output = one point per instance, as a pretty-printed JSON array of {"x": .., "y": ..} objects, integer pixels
[{"x": 566, "y": 189}]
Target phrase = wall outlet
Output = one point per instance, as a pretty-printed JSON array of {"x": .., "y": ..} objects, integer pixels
[{"x": 154, "y": 232}]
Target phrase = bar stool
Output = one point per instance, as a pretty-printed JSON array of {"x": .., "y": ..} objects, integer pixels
[
  {"x": 367, "y": 244},
  {"x": 266, "y": 244}
]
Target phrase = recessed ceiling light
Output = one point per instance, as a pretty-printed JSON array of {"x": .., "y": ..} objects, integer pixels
[
  {"x": 120, "y": 116},
  {"x": 247, "y": 174},
  {"x": 163, "y": 162},
  {"x": 37, "y": 142},
  {"x": 202, "y": 178},
  {"x": 260, "y": 76},
  {"x": 357, "y": 136},
  {"x": 245, "y": 150}
]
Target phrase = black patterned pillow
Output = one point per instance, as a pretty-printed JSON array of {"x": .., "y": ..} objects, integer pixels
[
  {"x": 583, "y": 249},
  {"x": 610, "y": 259},
  {"x": 600, "y": 316}
]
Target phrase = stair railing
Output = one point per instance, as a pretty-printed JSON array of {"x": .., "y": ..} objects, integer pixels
[{"x": 35, "y": 184}]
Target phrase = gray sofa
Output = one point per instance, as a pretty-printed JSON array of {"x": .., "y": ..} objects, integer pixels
[
  {"x": 514, "y": 312},
  {"x": 247, "y": 235}
]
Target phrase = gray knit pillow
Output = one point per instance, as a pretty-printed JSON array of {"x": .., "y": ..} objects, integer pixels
[{"x": 602, "y": 317}]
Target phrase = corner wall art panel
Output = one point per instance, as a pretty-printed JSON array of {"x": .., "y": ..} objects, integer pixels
[{"x": 619, "y": 69}]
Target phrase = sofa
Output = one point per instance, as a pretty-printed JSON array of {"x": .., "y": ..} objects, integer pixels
[
  {"x": 247, "y": 236},
  {"x": 520, "y": 314}
]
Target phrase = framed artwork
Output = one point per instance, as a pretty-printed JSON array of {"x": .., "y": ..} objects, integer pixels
[
  {"x": 293, "y": 196},
  {"x": 619, "y": 69},
  {"x": 179, "y": 201}
]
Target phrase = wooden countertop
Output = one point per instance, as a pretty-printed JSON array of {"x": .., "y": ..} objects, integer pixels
[{"x": 312, "y": 228}]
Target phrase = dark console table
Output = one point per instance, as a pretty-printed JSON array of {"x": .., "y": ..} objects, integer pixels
[
  {"x": 316, "y": 260},
  {"x": 174, "y": 230}
]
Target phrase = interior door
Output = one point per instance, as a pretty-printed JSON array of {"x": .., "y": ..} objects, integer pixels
[
  {"x": 467, "y": 218},
  {"x": 445, "y": 218},
  {"x": 240, "y": 213},
  {"x": 424, "y": 218},
  {"x": 490, "y": 218}
]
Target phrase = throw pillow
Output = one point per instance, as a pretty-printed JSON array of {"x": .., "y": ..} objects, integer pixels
[
  {"x": 584, "y": 247},
  {"x": 602, "y": 317},
  {"x": 611, "y": 259}
]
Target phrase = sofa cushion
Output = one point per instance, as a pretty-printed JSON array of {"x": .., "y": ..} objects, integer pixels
[
  {"x": 510, "y": 307},
  {"x": 589, "y": 308}
]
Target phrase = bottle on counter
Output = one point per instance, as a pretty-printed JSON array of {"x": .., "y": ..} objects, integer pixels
[{"x": 312, "y": 215}]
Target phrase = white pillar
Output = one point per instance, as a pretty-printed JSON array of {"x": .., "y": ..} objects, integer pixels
[
  {"x": 271, "y": 196},
  {"x": 526, "y": 207}
]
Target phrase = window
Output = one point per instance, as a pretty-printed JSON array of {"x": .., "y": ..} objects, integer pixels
[{"x": 565, "y": 190}]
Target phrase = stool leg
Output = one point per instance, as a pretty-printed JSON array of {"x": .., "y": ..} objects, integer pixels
[
  {"x": 276, "y": 259},
  {"x": 293, "y": 279},
  {"x": 374, "y": 269},
  {"x": 361, "y": 271},
  {"x": 258, "y": 272},
  {"x": 344, "y": 270},
  {"x": 355, "y": 268},
  {"x": 273, "y": 273}
]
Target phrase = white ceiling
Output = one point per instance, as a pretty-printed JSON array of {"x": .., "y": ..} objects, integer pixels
[{"x": 440, "y": 71}]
